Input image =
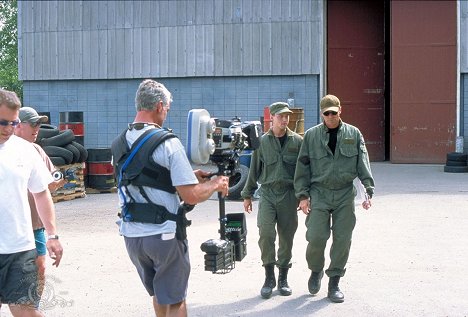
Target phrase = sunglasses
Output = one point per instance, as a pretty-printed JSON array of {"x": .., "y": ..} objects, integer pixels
[
  {"x": 5, "y": 123},
  {"x": 327, "y": 113},
  {"x": 34, "y": 124}
]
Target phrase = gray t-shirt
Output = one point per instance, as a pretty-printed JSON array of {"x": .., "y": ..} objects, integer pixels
[{"x": 170, "y": 154}]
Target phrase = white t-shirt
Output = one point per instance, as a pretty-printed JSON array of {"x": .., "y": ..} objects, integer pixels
[
  {"x": 171, "y": 155},
  {"x": 21, "y": 169}
]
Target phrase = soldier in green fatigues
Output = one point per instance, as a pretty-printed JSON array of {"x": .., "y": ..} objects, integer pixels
[
  {"x": 272, "y": 166},
  {"x": 332, "y": 155}
]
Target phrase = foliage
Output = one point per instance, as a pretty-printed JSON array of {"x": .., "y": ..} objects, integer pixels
[{"x": 9, "y": 47}]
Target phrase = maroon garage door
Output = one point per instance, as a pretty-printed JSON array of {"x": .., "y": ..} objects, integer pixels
[
  {"x": 423, "y": 80},
  {"x": 355, "y": 67}
]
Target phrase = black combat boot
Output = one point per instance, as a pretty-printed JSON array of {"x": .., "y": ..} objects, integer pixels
[
  {"x": 283, "y": 286},
  {"x": 334, "y": 293},
  {"x": 315, "y": 282},
  {"x": 270, "y": 281}
]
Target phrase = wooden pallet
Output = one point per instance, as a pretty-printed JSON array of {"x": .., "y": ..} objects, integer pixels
[
  {"x": 90, "y": 190},
  {"x": 75, "y": 186},
  {"x": 68, "y": 197},
  {"x": 68, "y": 191}
]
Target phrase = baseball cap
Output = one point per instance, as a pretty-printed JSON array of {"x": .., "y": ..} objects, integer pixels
[
  {"x": 330, "y": 102},
  {"x": 279, "y": 107},
  {"x": 28, "y": 114}
]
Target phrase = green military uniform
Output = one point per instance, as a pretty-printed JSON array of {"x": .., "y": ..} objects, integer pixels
[
  {"x": 327, "y": 179},
  {"x": 273, "y": 167}
]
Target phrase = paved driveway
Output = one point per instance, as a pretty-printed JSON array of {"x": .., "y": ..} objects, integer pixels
[{"x": 409, "y": 258}]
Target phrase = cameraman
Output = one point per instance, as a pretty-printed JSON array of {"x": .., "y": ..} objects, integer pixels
[
  {"x": 273, "y": 165},
  {"x": 161, "y": 259}
]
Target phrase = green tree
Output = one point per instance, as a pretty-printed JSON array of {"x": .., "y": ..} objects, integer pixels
[{"x": 9, "y": 47}]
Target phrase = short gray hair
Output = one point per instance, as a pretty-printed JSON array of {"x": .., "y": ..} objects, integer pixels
[
  {"x": 9, "y": 99},
  {"x": 149, "y": 93}
]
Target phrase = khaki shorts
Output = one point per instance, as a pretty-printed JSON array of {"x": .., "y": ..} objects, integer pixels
[{"x": 18, "y": 278}]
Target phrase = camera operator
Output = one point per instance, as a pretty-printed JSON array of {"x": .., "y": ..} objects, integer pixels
[
  {"x": 156, "y": 249},
  {"x": 272, "y": 166}
]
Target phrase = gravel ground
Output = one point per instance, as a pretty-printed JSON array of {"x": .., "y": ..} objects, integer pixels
[{"x": 408, "y": 258}]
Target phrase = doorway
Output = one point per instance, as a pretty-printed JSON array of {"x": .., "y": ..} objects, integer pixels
[{"x": 357, "y": 52}]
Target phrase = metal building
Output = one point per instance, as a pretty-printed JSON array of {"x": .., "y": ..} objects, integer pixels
[{"x": 399, "y": 67}]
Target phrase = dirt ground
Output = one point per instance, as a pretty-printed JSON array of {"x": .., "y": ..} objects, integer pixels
[{"x": 408, "y": 258}]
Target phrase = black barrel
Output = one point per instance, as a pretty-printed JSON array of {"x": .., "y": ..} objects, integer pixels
[{"x": 100, "y": 169}]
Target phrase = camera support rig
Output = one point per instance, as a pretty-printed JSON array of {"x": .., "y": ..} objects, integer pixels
[
  {"x": 227, "y": 163},
  {"x": 221, "y": 141}
]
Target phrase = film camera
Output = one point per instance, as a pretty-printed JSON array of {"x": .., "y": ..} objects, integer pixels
[
  {"x": 231, "y": 137},
  {"x": 222, "y": 142}
]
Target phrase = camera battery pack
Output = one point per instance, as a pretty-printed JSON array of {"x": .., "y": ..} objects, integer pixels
[{"x": 220, "y": 255}]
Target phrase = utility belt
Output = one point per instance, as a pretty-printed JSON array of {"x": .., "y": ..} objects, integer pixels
[
  {"x": 157, "y": 214},
  {"x": 279, "y": 186}
]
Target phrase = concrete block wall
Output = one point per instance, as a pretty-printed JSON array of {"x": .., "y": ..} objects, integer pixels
[{"x": 108, "y": 105}]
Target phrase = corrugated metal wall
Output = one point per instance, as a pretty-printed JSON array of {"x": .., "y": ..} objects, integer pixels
[{"x": 184, "y": 38}]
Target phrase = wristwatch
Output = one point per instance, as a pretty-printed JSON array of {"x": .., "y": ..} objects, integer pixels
[{"x": 52, "y": 237}]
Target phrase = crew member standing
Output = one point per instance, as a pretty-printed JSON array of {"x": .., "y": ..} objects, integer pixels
[
  {"x": 21, "y": 169},
  {"x": 28, "y": 130}
]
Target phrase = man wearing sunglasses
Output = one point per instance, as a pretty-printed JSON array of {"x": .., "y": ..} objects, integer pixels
[
  {"x": 28, "y": 130},
  {"x": 21, "y": 169},
  {"x": 150, "y": 193},
  {"x": 332, "y": 155}
]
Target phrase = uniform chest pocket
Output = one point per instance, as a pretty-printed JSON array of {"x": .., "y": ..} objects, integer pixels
[
  {"x": 290, "y": 164},
  {"x": 349, "y": 150},
  {"x": 270, "y": 159},
  {"x": 290, "y": 159}
]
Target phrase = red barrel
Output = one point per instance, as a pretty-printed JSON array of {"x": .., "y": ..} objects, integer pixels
[
  {"x": 73, "y": 120},
  {"x": 100, "y": 169},
  {"x": 266, "y": 119}
]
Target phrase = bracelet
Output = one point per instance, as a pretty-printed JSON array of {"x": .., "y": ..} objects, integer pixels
[{"x": 52, "y": 237}]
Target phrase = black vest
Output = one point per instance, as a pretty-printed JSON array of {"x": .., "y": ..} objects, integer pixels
[{"x": 142, "y": 170}]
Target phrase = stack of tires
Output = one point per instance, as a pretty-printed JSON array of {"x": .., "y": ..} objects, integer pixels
[
  {"x": 61, "y": 146},
  {"x": 456, "y": 163}
]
